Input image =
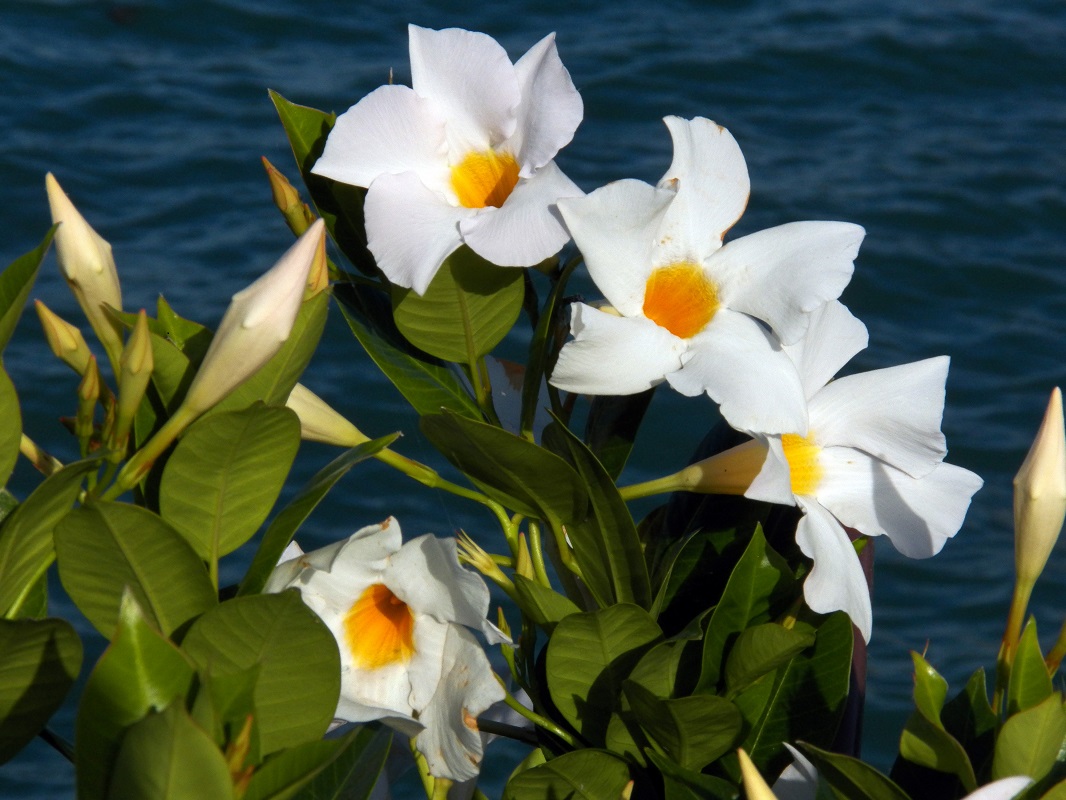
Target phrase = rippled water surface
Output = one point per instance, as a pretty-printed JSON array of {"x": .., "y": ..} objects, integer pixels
[{"x": 940, "y": 127}]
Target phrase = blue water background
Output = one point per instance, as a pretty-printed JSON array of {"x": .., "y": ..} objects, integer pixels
[{"x": 940, "y": 127}]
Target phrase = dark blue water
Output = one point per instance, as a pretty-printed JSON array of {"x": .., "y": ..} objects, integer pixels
[{"x": 940, "y": 127}]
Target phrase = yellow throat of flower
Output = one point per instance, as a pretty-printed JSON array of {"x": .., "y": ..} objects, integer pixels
[
  {"x": 803, "y": 465},
  {"x": 484, "y": 178},
  {"x": 680, "y": 298},
  {"x": 379, "y": 629}
]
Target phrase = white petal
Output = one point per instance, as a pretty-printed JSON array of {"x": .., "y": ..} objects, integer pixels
[
  {"x": 551, "y": 109},
  {"x": 470, "y": 80},
  {"x": 391, "y": 130},
  {"x": 410, "y": 229},
  {"x": 426, "y": 575},
  {"x": 917, "y": 514},
  {"x": 781, "y": 274},
  {"x": 836, "y": 581},
  {"x": 833, "y": 337},
  {"x": 453, "y": 749},
  {"x": 615, "y": 228},
  {"x": 773, "y": 484},
  {"x": 615, "y": 355},
  {"x": 744, "y": 370},
  {"x": 527, "y": 228},
  {"x": 712, "y": 187},
  {"x": 799, "y": 781},
  {"x": 1003, "y": 789},
  {"x": 893, "y": 414},
  {"x": 372, "y": 544}
]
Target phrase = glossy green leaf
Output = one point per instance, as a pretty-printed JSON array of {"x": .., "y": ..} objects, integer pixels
[
  {"x": 222, "y": 479},
  {"x": 351, "y": 775},
  {"x": 289, "y": 519},
  {"x": 970, "y": 719},
  {"x": 850, "y": 778},
  {"x": 141, "y": 671},
  {"x": 223, "y": 703},
  {"x": 1030, "y": 683},
  {"x": 589, "y": 656},
  {"x": 16, "y": 281},
  {"x": 693, "y": 572},
  {"x": 761, "y": 649},
  {"x": 10, "y": 426},
  {"x": 340, "y": 205},
  {"x": 802, "y": 700},
  {"x": 299, "y": 679},
  {"x": 612, "y": 425},
  {"x": 754, "y": 591},
  {"x": 580, "y": 775},
  {"x": 1030, "y": 741},
  {"x": 34, "y": 604},
  {"x": 167, "y": 756},
  {"x": 8, "y": 503},
  {"x": 541, "y": 604},
  {"x": 1056, "y": 792},
  {"x": 511, "y": 470},
  {"x": 687, "y": 784},
  {"x": 657, "y": 670},
  {"x": 107, "y": 548},
  {"x": 608, "y": 537},
  {"x": 26, "y": 549},
  {"x": 468, "y": 308},
  {"x": 41, "y": 660},
  {"x": 426, "y": 383},
  {"x": 693, "y": 730}
]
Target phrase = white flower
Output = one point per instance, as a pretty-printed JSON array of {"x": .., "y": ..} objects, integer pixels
[
  {"x": 463, "y": 156},
  {"x": 872, "y": 461},
  {"x": 398, "y": 613},
  {"x": 702, "y": 316},
  {"x": 256, "y": 324}
]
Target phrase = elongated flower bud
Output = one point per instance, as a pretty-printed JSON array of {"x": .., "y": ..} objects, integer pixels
[
  {"x": 754, "y": 785},
  {"x": 319, "y": 422},
  {"x": 1040, "y": 495},
  {"x": 137, "y": 365},
  {"x": 298, "y": 216},
  {"x": 64, "y": 339},
  {"x": 88, "y": 266},
  {"x": 255, "y": 326}
]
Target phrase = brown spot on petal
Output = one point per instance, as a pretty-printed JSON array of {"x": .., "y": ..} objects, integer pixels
[{"x": 469, "y": 720}]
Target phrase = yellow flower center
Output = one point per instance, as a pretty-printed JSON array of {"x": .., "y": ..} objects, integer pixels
[
  {"x": 680, "y": 298},
  {"x": 802, "y": 455},
  {"x": 379, "y": 628},
  {"x": 484, "y": 179}
]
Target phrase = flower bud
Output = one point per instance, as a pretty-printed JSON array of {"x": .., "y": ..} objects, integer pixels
[
  {"x": 255, "y": 326},
  {"x": 64, "y": 339},
  {"x": 1040, "y": 495},
  {"x": 88, "y": 266},
  {"x": 298, "y": 216},
  {"x": 755, "y": 786},
  {"x": 319, "y": 422},
  {"x": 137, "y": 364}
]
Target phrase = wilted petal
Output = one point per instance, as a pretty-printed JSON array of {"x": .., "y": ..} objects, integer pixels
[
  {"x": 527, "y": 228},
  {"x": 551, "y": 108},
  {"x": 833, "y": 337},
  {"x": 615, "y": 355}
]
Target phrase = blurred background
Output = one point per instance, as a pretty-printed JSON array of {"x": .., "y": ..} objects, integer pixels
[{"x": 940, "y": 127}]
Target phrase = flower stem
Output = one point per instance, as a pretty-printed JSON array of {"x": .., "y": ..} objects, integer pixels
[
  {"x": 537, "y": 719},
  {"x": 1056, "y": 654},
  {"x": 42, "y": 461}
]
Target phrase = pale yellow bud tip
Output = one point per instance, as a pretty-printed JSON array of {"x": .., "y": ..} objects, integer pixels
[{"x": 754, "y": 785}]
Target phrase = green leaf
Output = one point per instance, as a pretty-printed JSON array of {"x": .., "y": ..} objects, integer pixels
[
  {"x": 351, "y": 775},
  {"x": 26, "y": 549},
  {"x": 468, "y": 308},
  {"x": 608, "y": 537},
  {"x": 299, "y": 679},
  {"x": 141, "y": 671},
  {"x": 753, "y": 593},
  {"x": 426, "y": 383},
  {"x": 686, "y": 784},
  {"x": 541, "y": 604},
  {"x": 1030, "y": 683},
  {"x": 340, "y": 205},
  {"x": 580, "y": 775},
  {"x": 850, "y": 778},
  {"x": 693, "y": 572},
  {"x": 34, "y": 604},
  {"x": 167, "y": 755},
  {"x": 802, "y": 700},
  {"x": 693, "y": 731},
  {"x": 761, "y": 649},
  {"x": 612, "y": 427},
  {"x": 970, "y": 719},
  {"x": 41, "y": 659},
  {"x": 107, "y": 548},
  {"x": 289, "y": 519},
  {"x": 589, "y": 656},
  {"x": 658, "y": 668},
  {"x": 1030, "y": 741},
  {"x": 10, "y": 426},
  {"x": 16, "y": 281},
  {"x": 509, "y": 469},
  {"x": 223, "y": 704},
  {"x": 1056, "y": 792},
  {"x": 222, "y": 479}
]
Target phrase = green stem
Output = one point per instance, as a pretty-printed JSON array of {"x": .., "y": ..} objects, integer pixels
[
  {"x": 537, "y": 719},
  {"x": 141, "y": 462},
  {"x": 1015, "y": 618},
  {"x": 666, "y": 485},
  {"x": 536, "y": 551},
  {"x": 428, "y": 476}
]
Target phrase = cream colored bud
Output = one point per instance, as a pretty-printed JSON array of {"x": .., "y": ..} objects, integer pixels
[
  {"x": 137, "y": 364},
  {"x": 319, "y": 422},
  {"x": 86, "y": 262},
  {"x": 755, "y": 786},
  {"x": 318, "y": 278},
  {"x": 255, "y": 326},
  {"x": 64, "y": 339},
  {"x": 1040, "y": 495}
]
